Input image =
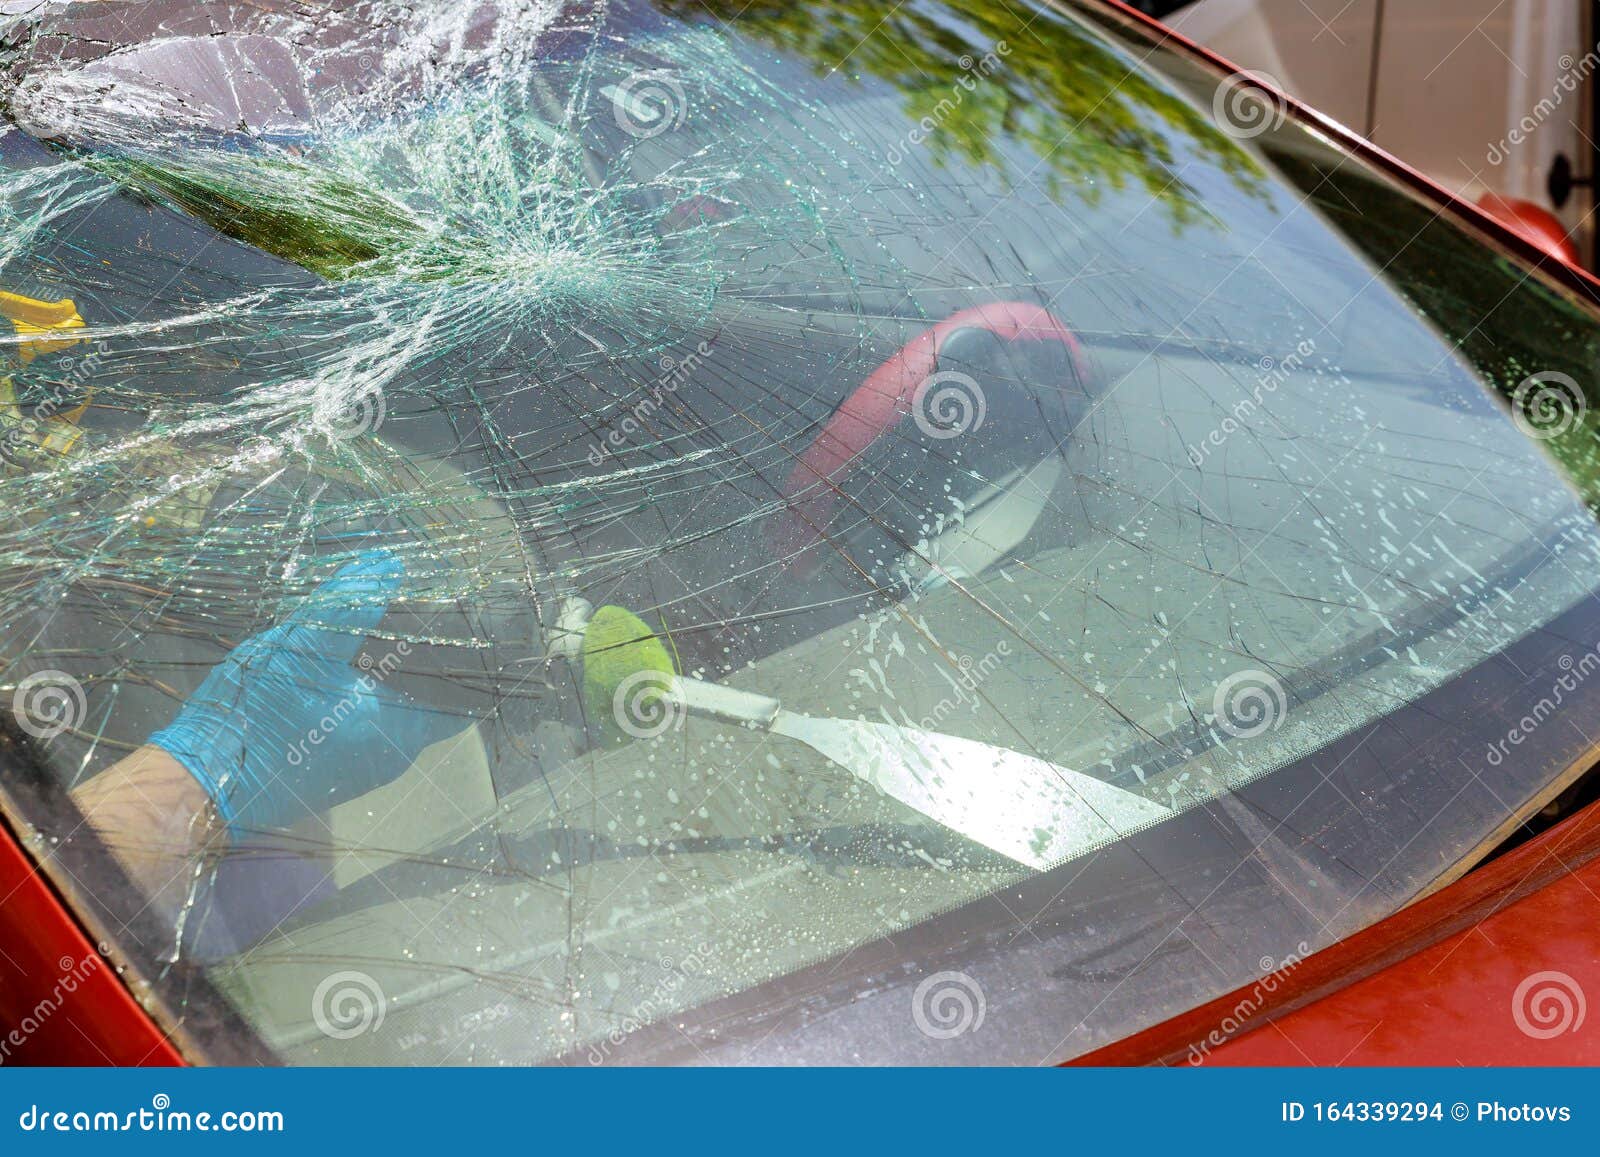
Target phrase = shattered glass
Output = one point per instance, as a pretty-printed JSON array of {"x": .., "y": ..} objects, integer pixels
[{"x": 955, "y": 379}]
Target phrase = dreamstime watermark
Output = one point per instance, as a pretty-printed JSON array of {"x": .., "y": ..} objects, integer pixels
[
  {"x": 674, "y": 372},
  {"x": 342, "y": 414},
  {"x": 348, "y": 1004},
  {"x": 373, "y": 674},
  {"x": 1249, "y": 703},
  {"x": 1247, "y": 104},
  {"x": 948, "y": 404},
  {"x": 972, "y": 71},
  {"x": 1272, "y": 374},
  {"x": 1574, "y": 673},
  {"x": 1548, "y": 404},
  {"x": 1274, "y": 973},
  {"x": 1573, "y": 74},
  {"x": 160, "y": 1117},
  {"x": 47, "y": 703},
  {"x": 648, "y": 103},
  {"x": 947, "y": 1005},
  {"x": 72, "y": 973},
  {"x": 964, "y": 683},
  {"x": 661, "y": 1000},
  {"x": 643, "y": 705},
  {"x": 1547, "y": 1004},
  {"x": 52, "y": 422}
]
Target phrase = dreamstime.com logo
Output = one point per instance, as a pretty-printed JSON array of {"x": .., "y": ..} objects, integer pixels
[
  {"x": 51, "y": 422},
  {"x": 1249, "y": 703},
  {"x": 643, "y": 706},
  {"x": 648, "y": 103},
  {"x": 973, "y": 70},
  {"x": 1569, "y": 83},
  {"x": 343, "y": 415},
  {"x": 71, "y": 973},
  {"x": 159, "y": 1117},
  {"x": 348, "y": 1004},
  {"x": 964, "y": 682},
  {"x": 1244, "y": 110},
  {"x": 1574, "y": 672},
  {"x": 674, "y": 373},
  {"x": 374, "y": 672},
  {"x": 947, "y": 1005},
  {"x": 1271, "y": 374},
  {"x": 1548, "y": 1004},
  {"x": 1548, "y": 404},
  {"x": 47, "y": 703},
  {"x": 948, "y": 404},
  {"x": 662, "y": 998},
  {"x": 1273, "y": 974}
]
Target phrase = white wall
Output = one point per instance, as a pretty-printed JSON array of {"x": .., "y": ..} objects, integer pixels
[{"x": 1455, "y": 79}]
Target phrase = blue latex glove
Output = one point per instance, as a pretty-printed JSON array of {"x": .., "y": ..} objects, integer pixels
[{"x": 286, "y": 725}]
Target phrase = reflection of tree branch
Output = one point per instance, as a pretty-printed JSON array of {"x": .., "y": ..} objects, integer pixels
[{"x": 1090, "y": 115}]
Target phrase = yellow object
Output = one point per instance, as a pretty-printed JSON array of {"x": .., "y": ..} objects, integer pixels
[
  {"x": 54, "y": 431},
  {"x": 626, "y": 673},
  {"x": 29, "y": 315}
]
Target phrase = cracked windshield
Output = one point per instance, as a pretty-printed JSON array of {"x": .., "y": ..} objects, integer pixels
[{"x": 614, "y": 532}]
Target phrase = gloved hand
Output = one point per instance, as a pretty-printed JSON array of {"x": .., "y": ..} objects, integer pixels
[{"x": 287, "y": 725}]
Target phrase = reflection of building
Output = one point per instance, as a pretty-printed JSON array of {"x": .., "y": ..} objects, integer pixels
[{"x": 1487, "y": 97}]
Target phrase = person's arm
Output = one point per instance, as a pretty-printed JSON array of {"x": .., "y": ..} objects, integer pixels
[
  {"x": 286, "y": 726},
  {"x": 153, "y": 815}
]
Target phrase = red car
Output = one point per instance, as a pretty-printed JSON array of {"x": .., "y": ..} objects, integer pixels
[{"x": 722, "y": 533}]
